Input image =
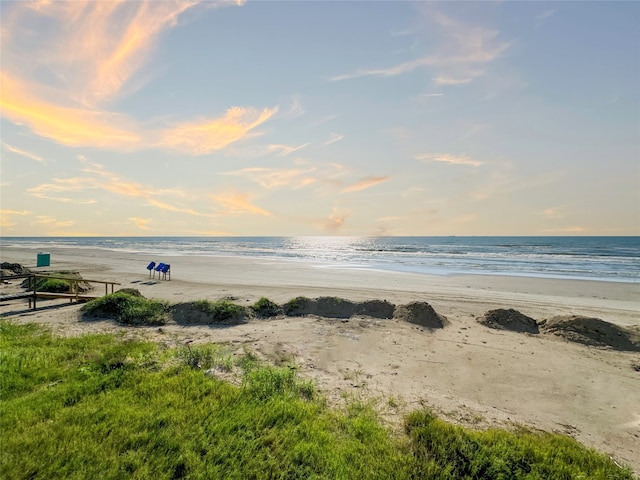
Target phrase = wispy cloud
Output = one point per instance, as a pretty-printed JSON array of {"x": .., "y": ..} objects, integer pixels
[
  {"x": 543, "y": 16},
  {"x": 328, "y": 178},
  {"x": 96, "y": 177},
  {"x": 463, "y": 51},
  {"x": 402, "y": 33},
  {"x": 23, "y": 153},
  {"x": 240, "y": 150},
  {"x": 206, "y": 136},
  {"x": 284, "y": 150},
  {"x": 141, "y": 223},
  {"x": 334, "y": 221},
  {"x": 6, "y": 217},
  {"x": 303, "y": 174},
  {"x": 121, "y": 59},
  {"x": 364, "y": 184},
  {"x": 333, "y": 138},
  {"x": 238, "y": 203},
  {"x": 448, "y": 158},
  {"x": 91, "y": 128},
  {"x": 546, "y": 14},
  {"x": 52, "y": 222},
  {"x": 90, "y": 54},
  {"x": 440, "y": 80},
  {"x": 173, "y": 207},
  {"x": 324, "y": 119},
  {"x": 69, "y": 126},
  {"x": 295, "y": 109},
  {"x": 92, "y": 48},
  {"x": 389, "y": 219},
  {"x": 399, "y": 69},
  {"x": 553, "y": 213},
  {"x": 277, "y": 178},
  {"x": 60, "y": 188}
]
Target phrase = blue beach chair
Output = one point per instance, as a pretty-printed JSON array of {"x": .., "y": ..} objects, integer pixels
[
  {"x": 158, "y": 269},
  {"x": 166, "y": 270},
  {"x": 150, "y": 267}
]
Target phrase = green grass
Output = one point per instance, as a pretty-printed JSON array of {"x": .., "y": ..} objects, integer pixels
[
  {"x": 205, "y": 357},
  {"x": 53, "y": 285},
  {"x": 445, "y": 451},
  {"x": 220, "y": 311},
  {"x": 128, "y": 309},
  {"x": 100, "y": 406},
  {"x": 265, "y": 308}
]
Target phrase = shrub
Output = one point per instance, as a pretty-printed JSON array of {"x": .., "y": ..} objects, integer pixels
[
  {"x": 128, "y": 309},
  {"x": 52, "y": 285},
  {"x": 220, "y": 311},
  {"x": 444, "y": 451},
  {"x": 265, "y": 308}
]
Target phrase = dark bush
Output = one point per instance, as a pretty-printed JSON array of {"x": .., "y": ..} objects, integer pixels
[{"x": 265, "y": 308}]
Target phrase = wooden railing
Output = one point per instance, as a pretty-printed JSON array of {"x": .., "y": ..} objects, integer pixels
[{"x": 72, "y": 294}]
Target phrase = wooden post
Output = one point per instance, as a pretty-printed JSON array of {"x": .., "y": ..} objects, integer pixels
[
  {"x": 77, "y": 291},
  {"x": 34, "y": 290}
]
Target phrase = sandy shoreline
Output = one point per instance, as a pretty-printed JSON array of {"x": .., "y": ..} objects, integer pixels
[{"x": 472, "y": 374}]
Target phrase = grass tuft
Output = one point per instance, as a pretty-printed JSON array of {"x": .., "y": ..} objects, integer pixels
[
  {"x": 55, "y": 285},
  {"x": 220, "y": 311},
  {"x": 444, "y": 451},
  {"x": 52, "y": 285},
  {"x": 265, "y": 308},
  {"x": 201, "y": 356},
  {"x": 128, "y": 309},
  {"x": 269, "y": 382}
]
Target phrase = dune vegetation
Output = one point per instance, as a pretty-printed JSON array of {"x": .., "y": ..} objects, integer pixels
[{"x": 101, "y": 406}]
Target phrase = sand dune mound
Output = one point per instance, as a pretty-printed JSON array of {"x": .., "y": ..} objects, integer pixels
[
  {"x": 208, "y": 313},
  {"x": 513, "y": 320},
  {"x": 376, "y": 309},
  {"x": 593, "y": 332},
  {"x": 420, "y": 313},
  {"x": 334, "y": 307},
  {"x": 11, "y": 269}
]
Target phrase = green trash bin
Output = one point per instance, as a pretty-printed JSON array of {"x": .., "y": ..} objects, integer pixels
[{"x": 44, "y": 260}]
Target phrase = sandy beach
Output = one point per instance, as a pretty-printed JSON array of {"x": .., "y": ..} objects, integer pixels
[{"x": 468, "y": 372}]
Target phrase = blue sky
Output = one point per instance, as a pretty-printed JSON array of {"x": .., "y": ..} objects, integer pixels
[{"x": 320, "y": 118}]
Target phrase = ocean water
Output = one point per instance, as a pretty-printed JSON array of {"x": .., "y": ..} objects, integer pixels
[{"x": 590, "y": 258}]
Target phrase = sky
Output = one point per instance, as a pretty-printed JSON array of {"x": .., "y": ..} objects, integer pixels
[{"x": 319, "y": 118}]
